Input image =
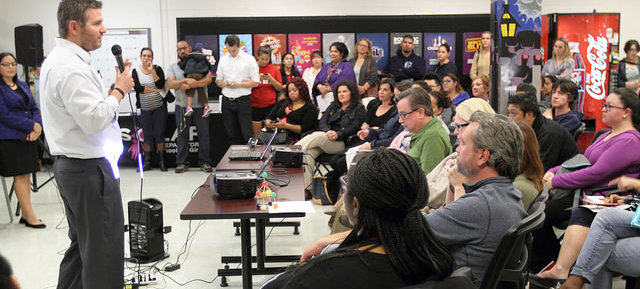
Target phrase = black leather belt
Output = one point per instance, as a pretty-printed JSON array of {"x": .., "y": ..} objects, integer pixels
[{"x": 237, "y": 98}]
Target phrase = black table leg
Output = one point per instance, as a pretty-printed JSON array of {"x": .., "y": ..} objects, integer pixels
[
  {"x": 260, "y": 243},
  {"x": 245, "y": 230}
]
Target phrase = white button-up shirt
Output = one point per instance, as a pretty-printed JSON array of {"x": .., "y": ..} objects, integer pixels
[
  {"x": 80, "y": 119},
  {"x": 241, "y": 68}
]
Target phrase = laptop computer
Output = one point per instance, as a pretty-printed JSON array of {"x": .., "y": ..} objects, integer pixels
[{"x": 252, "y": 155}]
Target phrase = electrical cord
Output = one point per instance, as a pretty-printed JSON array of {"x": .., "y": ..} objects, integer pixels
[
  {"x": 134, "y": 117},
  {"x": 186, "y": 247},
  {"x": 280, "y": 181}
]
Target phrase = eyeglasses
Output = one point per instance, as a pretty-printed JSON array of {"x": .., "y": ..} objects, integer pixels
[
  {"x": 447, "y": 81},
  {"x": 9, "y": 64},
  {"x": 403, "y": 116},
  {"x": 363, "y": 45},
  {"x": 608, "y": 107},
  {"x": 460, "y": 126}
]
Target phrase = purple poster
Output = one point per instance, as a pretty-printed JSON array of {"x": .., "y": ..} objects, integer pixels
[
  {"x": 431, "y": 43},
  {"x": 472, "y": 43},
  {"x": 209, "y": 46},
  {"x": 302, "y": 46},
  {"x": 379, "y": 49}
]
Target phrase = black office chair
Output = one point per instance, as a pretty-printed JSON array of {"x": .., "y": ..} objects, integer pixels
[
  {"x": 632, "y": 283},
  {"x": 323, "y": 164},
  {"x": 510, "y": 262},
  {"x": 542, "y": 197},
  {"x": 459, "y": 278},
  {"x": 579, "y": 131}
]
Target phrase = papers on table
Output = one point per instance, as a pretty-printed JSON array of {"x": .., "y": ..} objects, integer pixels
[{"x": 291, "y": 207}]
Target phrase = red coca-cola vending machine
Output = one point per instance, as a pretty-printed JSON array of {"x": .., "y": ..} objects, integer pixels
[{"x": 591, "y": 38}]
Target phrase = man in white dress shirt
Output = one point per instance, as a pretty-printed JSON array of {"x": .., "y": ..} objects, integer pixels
[
  {"x": 80, "y": 117},
  {"x": 237, "y": 74}
]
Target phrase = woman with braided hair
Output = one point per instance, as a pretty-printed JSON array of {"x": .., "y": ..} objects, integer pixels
[{"x": 391, "y": 244}]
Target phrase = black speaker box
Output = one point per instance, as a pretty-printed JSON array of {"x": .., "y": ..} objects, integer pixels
[
  {"x": 28, "y": 40},
  {"x": 146, "y": 239}
]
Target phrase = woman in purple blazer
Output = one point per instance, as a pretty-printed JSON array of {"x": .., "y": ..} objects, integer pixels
[
  {"x": 338, "y": 69},
  {"x": 20, "y": 127}
]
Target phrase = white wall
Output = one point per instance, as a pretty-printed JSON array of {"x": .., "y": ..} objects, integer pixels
[{"x": 160, "y": 15}]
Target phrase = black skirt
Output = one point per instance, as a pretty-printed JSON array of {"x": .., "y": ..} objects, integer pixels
[{"x": 18, "y": 157}]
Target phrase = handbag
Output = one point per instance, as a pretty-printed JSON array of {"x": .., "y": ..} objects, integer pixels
[
  {"x": 319, "y": 191},
  {"x": 170, "y": 98}
]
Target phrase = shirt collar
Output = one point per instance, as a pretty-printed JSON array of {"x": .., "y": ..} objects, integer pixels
[
  {"x": 483, "y": 182},
  {"x": 83, "y": 54}
]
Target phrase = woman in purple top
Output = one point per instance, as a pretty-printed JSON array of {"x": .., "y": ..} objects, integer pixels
[
  {"x": 337, "y": 70},
  {"x": 612, "y": 155}
]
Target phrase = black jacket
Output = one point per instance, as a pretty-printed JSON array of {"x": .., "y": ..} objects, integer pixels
[
  {"x": 195, "y": 63},
  {"x": 556, "y": 144},
  {"x": 344, "y": 122}
]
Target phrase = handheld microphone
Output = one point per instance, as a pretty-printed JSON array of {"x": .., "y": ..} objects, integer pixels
[{"x": 117, "y": 52}]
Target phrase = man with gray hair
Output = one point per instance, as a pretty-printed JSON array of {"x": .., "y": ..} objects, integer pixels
[
  {"x": 489, "y": 156},
  {"x": 473, "y": 225},
  {"x": 429, "y": 143}
]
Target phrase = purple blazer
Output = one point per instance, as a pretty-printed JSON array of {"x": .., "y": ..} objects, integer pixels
[
  {"x": 16, "y": 117},
  {"x": 344, "y": 71}
]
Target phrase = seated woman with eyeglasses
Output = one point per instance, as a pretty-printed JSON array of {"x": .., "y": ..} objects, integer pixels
[
  {"x": 20, "y": 128},
  {"x": 453, "y": 90},
  {"x": 391, "y": 244},
  {"x": 612, "y": 155}
]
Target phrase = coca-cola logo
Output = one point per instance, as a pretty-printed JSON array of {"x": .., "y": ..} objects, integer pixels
[{"x": 597, "y": 57}]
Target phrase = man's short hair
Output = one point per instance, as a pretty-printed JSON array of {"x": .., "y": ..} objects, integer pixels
[
  {"x": 70, "y": 10},
  {"x": 418, "y": 98},
  {"x": 569, "y": 87},
  {"x": 502, "y": 137},
  {"x": 422, "y": 84},
  {"x": 433, "y": 76},
  {"x": 527, "y": 87},
  {"x": 404, "y": 85},
  {"x": 382, "y": 76},
  {"x": 408, "y": 36},
  {"x": 527, "y": 103},
  {"x": 232, "y": 40}
]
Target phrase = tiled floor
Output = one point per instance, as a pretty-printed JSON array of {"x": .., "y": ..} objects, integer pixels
[{"x": 35, "y": 254}]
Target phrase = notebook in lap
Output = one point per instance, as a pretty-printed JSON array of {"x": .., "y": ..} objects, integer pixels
[{"x": 252, "y": 155}]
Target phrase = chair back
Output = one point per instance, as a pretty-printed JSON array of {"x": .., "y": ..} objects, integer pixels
[
  {"x": 542, "y": 197},
  {"x": 459, "y": 278},
  {"x": 510, "y": 262},
  {"x": 579, "y": 131}
]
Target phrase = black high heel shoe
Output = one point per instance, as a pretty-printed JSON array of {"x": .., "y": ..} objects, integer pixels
[{"x": 38, "y": 226}]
